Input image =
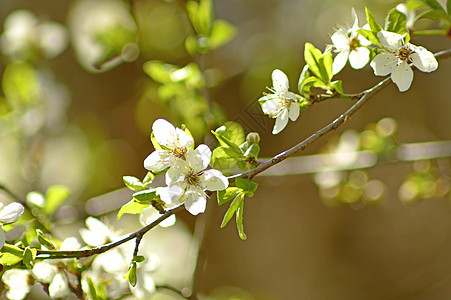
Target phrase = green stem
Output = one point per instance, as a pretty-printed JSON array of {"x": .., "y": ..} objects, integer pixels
[{"x": 430, "y": 32}]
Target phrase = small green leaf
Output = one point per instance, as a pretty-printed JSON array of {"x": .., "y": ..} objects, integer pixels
[
  {"x": 227, "y": 195},
  {"x": 252, "y": 151},
  {"x": 233, "y": 131},
  {"x": 247, "y": 186},
  {"x": 221, "y": 33},
  {"x": 337, "y": 85},
  {"x": 232, "y": 209},
  {"x": 146, "y": 196},
  {"x": 396, "y": 22},
  {"x": 229, "y": 147},
  {"x": 92, "y": 288},
  {"x": 133, "y": 183},
  {"x": 159, "y": 71},
  {"x": 54, "y": 196},
  {"x": 312, "y": 56},
  {"x": 131, "y": 274},
  {"x": 370, "y": 36},
  {"x": 375, "y": 27},
  {"x": 325, "y": 63},
  {"x": 45, "y": 241},
  {"x": 29, "y": 254},
  {"x": 239, "y": 221},
  {"x": 148, "y": 178},
  {"x": 304, "y": 75},
  {"x": 10, "y": 255},
  {"x": 205, "y": 16},
  {"x": 139, "y": 258},
  {"x": 191, "y": 45},
  {"x": 132, "y": 207}
]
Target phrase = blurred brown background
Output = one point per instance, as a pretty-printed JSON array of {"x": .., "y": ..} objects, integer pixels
[{"x": 297, "y": 247}]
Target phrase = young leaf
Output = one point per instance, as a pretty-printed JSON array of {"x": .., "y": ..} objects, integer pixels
[
  {"x": 252, "y": 151},
  {"x": 148, "y": 178},
  {"x": 159, "y": 71},
  {"x": 312, "y": 56},
  {"x": 396, "y": 22},
  {"x": 131, "y": 274},
  {"x": 146, "y": 196},
  {"x": 239, "y": 221},
  {"x": 304, "y": 75},
  {"x": 326, "y": 63},
  {"x": 132, "y": 207},
  {"x": 205, "y": 16},
  {"x": 44, "y": 240},
  {"x": 221, "y": 33},
  {"x": 29, "y": 254},
  {"x": 133, "y": 183},
  {"x": 10, "y": 255},
  {"x": 227, "y": 195},
  {"x": 54, "y": 196},
  {"x": 370, "y": 36},
  {"x": 232, "y": 209},
  {"x": 337, "y": 85},
  {"x": 247, "y": 186},
  {"x": 375, "y": 27}
]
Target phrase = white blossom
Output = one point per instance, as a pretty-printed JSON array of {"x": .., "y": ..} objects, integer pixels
[
  {"x": 189, "y": 180},
  {"x": 17, "y": 282},
  {"x": 281, "y": 104},
  {"x": 350, "y": 45},
  {"x": 174, "y": 141},
  {"x": 97, "y": 233},
  {"x": 396, "y": 58},
  {"x": 9, "y": 214}
]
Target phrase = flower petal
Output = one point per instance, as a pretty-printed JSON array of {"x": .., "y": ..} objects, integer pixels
[
  {"x": 383, "y": 64},
  {"x": 204, "y": 154},
  {"x": 158, "y": 160},
  {"x": 279, "y": 81},
  {"x": 281, "y": 122},
  {"x": 271, "y": 107},
  {"x": 340, "y": 61},
  {"x": 183, "y": 138},
  {"x": 359, "y": 57},
  {"x": 214, "y": 180},
  {"x": 164, "y": 133},
  {"x": 340, "y": 39},
  {"x": 402, "y": 76},
  {"x": 170, "y": 194},
  {"x": 294, "y": 111},
  {"x": 11, "y": 213},
  {"x": 390, "y": 40},
  {"x": 424, "y": 60},
  {"x": 2, "y": 238},
  {"x": 59, "y": 286},
  {"x": 195, "y": 201},
  {"x": 43, "y": 271}
]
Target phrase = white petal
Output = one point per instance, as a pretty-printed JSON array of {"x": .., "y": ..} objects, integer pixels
[
  {"x": 271, "y": 107},
  {"x": 355, "y": 26},
  {"x": 340, "y": 39},
  {"x": 281, "y": 122},
  {"x": 149, "y": 215},
  {"x": 195, "y": 201},
  {"x": 183, "y": 138},
  {"x": 59, "y": 286},
  {"x": 214, "y": 180},
  {"x": 176, "y": 172},
  {"x": 279, "y": 81},
  {"x": 17, "y": 281},
  {"x": 43, "y": 271},
  {"x": 390, "y": 40},
  {"x": 170, "y": 195},
  {"x": 402, "y": 76},
  {"x": 91, "y": 238},
  {"x": 204, "y": 153},
  {"x": 294, "y": 111},
  {"x": 164, "y": 133},
  {"x": 168, "y": 222},
  {"x": 158, "y": 160},
  {"x": 384, "y": 63},
  {"x": 424, "y": 60},
  {"x": 97, "y": 226},
  {"x": 340, "y": 61},
  {"x": 11, "y": 213},
  {"x": 70, "y": 243},
  {"x": 2, "y": 238},
  {"x": 359, "y": 57}
]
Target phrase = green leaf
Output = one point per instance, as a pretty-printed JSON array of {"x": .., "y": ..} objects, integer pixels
[
  {"x": 92, "y": 288},
  {"x": 132, "y": 207},
  {"x": 227, "y": 195},
  {"x": 312, "y": 56},
  {"x": 148, "y": 178},
  {"x": 10, "y": 255},
  {"x": 311, "y": 82},
  {"x": 230, "y": 149},
  {"x": 54, "y": 196},
  {"x": 205, "y": 16},
  {"x": 221, "y": 33},
  {"x": 337, "y": 85},
  {"x": 375, "y": 27},
  {"x": 435, "y": 5},
  {"x": 139, "y": 258},
  {"x": 252, "y": 151},
  {"x": 247, "y": 186},
  {"x": 239, "y": 221},
  {"x": 131, "y": 274},
  {"x": 45, "y": 241},
  {"x": 146, "y": 196},
  {"x": 232, "y": 208},
  {"x": 221, "y": 160},
  {"x": 159, "y": 71},
  {"x": 29, "y": 254},
  {"x": 191, "y": 45},
  {"x": 370, "y": 36},
  {"x": 326, "y": 63},
  {"x": 396, "y": 22},
  {"x": 304, "y": 75},
  {"x": 133, "y": 183},
  {"x": 233, "y": 131}
]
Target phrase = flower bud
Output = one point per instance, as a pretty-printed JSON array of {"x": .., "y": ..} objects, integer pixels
[
  {"x": 11, "y": 213},
  {"x": 253, "y": 138}
]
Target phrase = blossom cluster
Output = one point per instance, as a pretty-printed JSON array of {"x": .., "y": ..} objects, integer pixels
[
  {"x": 393, "y": 55},
  {"x": 187, "y": 176}
]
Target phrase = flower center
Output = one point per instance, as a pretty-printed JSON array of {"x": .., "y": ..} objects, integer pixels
[
  {"x": 403, "y": 53},
  {"x": 192, "y": 178},
  {"x": 354, "y": 43},
  {"x": 285, "y": 102},
  {"x": 179, "y": 152}
]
